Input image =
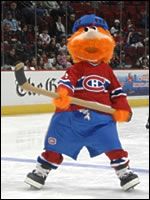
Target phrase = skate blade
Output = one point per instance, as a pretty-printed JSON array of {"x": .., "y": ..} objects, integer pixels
[
  {"x": 130, "y": 186},
  {"x": 33, "y": 183}
]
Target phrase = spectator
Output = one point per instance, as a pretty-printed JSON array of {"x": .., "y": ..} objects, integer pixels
[
  {"x": 28, "y": 12},
  {"x": 143, "y": 62},
  {"x": 11, "y": 21},
  {"x": 40, "y": 63},
  {"x": 134, "y": 39},
  {"x": 52, "y": 46},
  {"x": 5, "y": 47},
  {"x": 51, "y": 61},
  {"x": 59, "y": 28},
  {"x": 40, "y": 10},
  {"x": 146, "y": 41},
  {"x": 71, "y": 20},
  {"x": 120, "y": 42},
  {"x": 13, "y": 9},
  {"x": 62, "y": 45},
  {"x": 144, "y": 19},
  {"x": 6, "y": 33},
  {"x": 31, "y": 34},
  {"x": 116, "y": 27},
  {"x": 27, "y": 64},
  {"x": 10, "y": 58},
  {"x": 45, "y": 38},
  {"x": 62, "y": 59},
  {"x": 53, "y": 9},
  {"x": 44, "y": 56},
  {"x": 50, "y": 6},
  {"x": 65, "y": 8},
  {"x": 129, "y": 27},
  {"x": 115, "y": 61},
  {"x": 33, "y": 64},
  {"x": 23, "y": 35},
  {"x": 31, "y": 15},
  {"x": 39, "y": 46},
  {"x": 124, "y": 61}
]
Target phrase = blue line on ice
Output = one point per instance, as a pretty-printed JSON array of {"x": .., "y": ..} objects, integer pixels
[{"x": 71, "y": 164}]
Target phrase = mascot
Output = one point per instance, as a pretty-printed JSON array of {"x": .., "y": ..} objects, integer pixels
[{"x": 73, "y": 127}]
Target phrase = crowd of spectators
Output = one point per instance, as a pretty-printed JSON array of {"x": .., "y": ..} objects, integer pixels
[{"x": 36, "y": 33}]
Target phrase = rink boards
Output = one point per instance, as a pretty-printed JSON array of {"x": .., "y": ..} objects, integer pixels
[{"x": 16, "y": 101}]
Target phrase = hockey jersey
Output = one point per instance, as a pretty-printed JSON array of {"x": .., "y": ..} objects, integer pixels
[{"x": 96, "y": 83}]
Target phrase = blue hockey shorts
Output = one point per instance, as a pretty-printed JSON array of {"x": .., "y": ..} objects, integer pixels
[{"x": 69, "y": 132}]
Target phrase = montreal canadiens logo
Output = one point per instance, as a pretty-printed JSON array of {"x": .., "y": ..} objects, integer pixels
[
  {"x": 94, "y": 83},
  {"x": 52, "y": 140}
]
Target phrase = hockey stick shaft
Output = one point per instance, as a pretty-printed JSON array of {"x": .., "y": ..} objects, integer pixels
[{"x": 22, "y": 81}]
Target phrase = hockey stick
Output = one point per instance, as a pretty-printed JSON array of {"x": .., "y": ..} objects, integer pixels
[{"x": 22, "y": 81}]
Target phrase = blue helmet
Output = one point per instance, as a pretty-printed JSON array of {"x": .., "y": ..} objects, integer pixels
[{"x": 89, "y": 20}]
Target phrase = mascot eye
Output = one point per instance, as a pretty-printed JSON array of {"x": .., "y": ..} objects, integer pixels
[
  {"x": 94, "y": 27},
  {"x": 86, "y": 29}
]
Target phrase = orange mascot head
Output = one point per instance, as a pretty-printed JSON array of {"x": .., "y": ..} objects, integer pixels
[{"x": 91, "y": 41}]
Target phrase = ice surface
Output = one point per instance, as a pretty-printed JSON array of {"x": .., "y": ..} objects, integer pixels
[{"x": 22, "y": 139}]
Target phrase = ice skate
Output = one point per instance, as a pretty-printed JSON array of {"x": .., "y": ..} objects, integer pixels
[
  {"x": 147, "y": 125},
  {"x": 37, "y": 177},
  {"x": 129, "y": 180}
]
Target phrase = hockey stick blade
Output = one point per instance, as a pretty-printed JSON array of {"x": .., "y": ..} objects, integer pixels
[{"x": 19, "y": 74}]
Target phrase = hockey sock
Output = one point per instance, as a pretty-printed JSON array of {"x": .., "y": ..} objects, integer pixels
[{"x": 50, "y": 160}]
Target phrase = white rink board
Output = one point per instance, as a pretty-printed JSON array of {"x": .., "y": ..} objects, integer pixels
[{"x": 11, "y": 94}]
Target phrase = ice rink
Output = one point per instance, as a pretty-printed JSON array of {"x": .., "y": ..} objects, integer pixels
[{"x": 22, "y": 139}]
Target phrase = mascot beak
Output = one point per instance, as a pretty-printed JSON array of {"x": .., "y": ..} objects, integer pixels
[{"x": 91, "y": 49}]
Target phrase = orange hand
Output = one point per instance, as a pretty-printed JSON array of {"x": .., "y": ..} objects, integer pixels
[
  {"x": 63, "y": 101},
  {"x": 122, "y": 116}
]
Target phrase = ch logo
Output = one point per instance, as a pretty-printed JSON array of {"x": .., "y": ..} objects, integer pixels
[
  {"x": 94, "y": 83},
  {"x": 52, "y": 140}
]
